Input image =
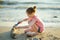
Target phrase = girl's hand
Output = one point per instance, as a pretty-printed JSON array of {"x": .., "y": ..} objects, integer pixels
[{"x": 20, "y": 22}]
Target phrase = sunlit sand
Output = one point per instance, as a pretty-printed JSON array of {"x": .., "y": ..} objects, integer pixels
[{"x": 50, "y": 33}]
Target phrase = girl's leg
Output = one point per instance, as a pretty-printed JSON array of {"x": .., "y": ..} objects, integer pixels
[
  {"x": 30, "y": 34},
  {"x": 33, "y": 31},
  {"x": 34, "y": 28}
]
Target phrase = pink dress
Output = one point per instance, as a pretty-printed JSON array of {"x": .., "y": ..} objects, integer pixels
[{"x": 37, "y": 22}]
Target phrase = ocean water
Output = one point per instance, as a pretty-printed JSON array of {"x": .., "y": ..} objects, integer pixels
[{"x": 13, "y": 11}]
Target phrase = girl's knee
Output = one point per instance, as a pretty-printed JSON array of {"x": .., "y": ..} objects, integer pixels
[{"x": 30, "y": 34}]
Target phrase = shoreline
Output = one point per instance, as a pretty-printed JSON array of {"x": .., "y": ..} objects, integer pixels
[{"x": 10, "y": 24}]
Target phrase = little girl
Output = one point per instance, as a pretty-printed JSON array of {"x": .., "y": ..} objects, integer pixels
[{"x": 35, "y": 25}]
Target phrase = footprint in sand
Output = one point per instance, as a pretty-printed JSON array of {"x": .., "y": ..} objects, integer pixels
[
  {"x": 52, "y": 37},
  {"x": 56, "y": 38}
]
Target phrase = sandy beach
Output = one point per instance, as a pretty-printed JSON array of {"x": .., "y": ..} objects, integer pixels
[
  {"x": 13, "y": 11},
  {"x": 50, "y": 33}
]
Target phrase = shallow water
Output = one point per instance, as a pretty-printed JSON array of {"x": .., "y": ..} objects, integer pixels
[{"x": 14, "y": 11}]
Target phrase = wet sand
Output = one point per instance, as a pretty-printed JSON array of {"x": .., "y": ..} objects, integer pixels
[{"x": 50, "y": 33}]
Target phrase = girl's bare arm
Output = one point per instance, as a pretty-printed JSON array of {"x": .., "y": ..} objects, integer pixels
[
  {"x": 23, "y": 20},
  {"x": 30, "y": 24}
]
